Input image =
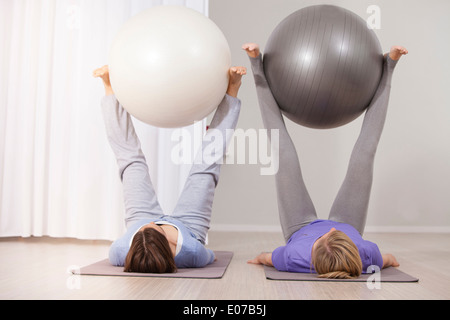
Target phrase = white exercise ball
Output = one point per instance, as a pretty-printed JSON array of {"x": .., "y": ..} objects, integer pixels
[{"x": 169, "y": 66}]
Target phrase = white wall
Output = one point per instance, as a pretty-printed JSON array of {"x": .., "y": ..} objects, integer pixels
[{"x": 412, "y": 168}]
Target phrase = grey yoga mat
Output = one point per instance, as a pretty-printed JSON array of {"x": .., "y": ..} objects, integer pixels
[
  {"x": 386, "y": 275},
  {"x": 214, "y": 270}
]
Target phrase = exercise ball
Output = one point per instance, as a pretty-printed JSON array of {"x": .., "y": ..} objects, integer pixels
[
  {"x": 169, "y": 66},
  {"x": 323, "y": 66}
]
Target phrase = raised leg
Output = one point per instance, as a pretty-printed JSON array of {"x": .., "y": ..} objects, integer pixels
[
  {"x": 352, "y": 201},
  {"x": 139, "y": 195},
  {"x": 194, "y": 206},
  {"x": 295, "y": 206}
]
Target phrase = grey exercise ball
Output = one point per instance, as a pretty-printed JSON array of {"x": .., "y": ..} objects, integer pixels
[{"x": 323, "y": 66}]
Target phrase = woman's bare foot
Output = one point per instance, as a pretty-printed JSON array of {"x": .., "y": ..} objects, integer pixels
[
  {"x": 103, "y": 73},
  {"x": 397, "y": 52},
  {"x": 234, "y": 82},
  {"x": 252, "y": 49}
]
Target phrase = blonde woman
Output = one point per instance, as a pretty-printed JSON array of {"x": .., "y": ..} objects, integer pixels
[{"x": 333, "y": 248}]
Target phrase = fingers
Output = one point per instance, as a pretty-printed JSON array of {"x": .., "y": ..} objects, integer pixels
[
  {"x": 253, "y": 261},
  {"x": 395, "y": 262},
  {"x": 258, "y": 259}
]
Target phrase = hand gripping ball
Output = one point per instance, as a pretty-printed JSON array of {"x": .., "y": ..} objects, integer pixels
[
  {"x": 323, "y": 66},
  {"x": 169, "y": 66}
]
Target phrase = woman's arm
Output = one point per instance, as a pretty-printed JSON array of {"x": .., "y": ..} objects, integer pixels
[
  {"x": 264, "y": 258},
  {"x": 389, "y": 261}
]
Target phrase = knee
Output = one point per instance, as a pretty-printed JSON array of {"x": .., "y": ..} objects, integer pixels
[{"x": 138, "y": 167}]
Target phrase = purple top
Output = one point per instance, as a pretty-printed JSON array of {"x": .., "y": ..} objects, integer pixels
[{"x": 295, "y": 256}]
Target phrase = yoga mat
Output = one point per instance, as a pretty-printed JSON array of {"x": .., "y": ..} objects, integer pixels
[
  {"x": 390, "y": 274},
  {"x": 214, "y": 270}
]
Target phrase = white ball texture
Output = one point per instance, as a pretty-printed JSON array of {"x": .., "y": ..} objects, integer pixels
[{"x": 169, "y": 66}]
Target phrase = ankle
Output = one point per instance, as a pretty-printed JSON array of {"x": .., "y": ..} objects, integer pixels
[
  {"x": 233, "y": 89},
  {"x": 391, "y": 63}
]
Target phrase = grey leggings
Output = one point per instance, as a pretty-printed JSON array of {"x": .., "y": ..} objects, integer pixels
[
  {"x": 194, "y": 206},
  {"x": 295, "y": 207}
]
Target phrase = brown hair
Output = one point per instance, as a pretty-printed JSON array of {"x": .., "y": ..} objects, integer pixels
[
  {"x": 337, "y": 257},
  {"x": 150, "y": 253}
]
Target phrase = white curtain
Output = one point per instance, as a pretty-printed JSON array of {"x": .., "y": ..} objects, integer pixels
[{"x": 58, "y": 176}]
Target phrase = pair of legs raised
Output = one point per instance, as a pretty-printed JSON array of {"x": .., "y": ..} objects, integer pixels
[
  {"x": 296, "y": 208},
  {"x": 194, "y": 206}
]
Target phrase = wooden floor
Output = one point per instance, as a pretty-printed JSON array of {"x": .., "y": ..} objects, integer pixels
[{"x": 37, "y": 268}]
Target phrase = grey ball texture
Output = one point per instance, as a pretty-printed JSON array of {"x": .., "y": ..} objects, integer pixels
[{"x": 323, "y": 66}]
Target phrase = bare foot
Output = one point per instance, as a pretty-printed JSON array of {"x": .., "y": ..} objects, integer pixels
[
  {"x": 252, "y": 49},
  {"x": 397, "y": 52},
  {"x": 234, "y": 82},
  {"x": 103, "y": 73}
]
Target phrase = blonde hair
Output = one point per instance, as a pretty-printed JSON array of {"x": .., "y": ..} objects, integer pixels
[{"x": 337, "y": 257}]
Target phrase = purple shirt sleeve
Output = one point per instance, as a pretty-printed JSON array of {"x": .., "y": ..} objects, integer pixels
[
  {"x": 370, "y": 257},
  {"x": 289, "y": 259},
  {"x": 279, "y": 259}
]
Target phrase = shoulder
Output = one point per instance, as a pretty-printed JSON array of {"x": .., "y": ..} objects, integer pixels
[
  {"x": 370, "y": 254},
  {"x": 368, "y": 248},
  {"x": 193, "y": 253},
  {"x": 118, "y": 253}
]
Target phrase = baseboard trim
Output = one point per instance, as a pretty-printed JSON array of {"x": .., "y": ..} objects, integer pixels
[
  {"x": 244, "y": 228},
  {"x": 407, "y": 229},
  {"x": 368, "y": 229}
]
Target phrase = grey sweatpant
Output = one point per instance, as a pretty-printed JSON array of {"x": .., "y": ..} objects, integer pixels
[
  {"x": 194, "y": 206},
  {"x": 295, "y": 206}
]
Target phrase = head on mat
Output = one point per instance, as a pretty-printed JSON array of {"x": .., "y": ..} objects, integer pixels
[
  {"x": 150, "y": 252},
  {"x": 335, "y": 255}
]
